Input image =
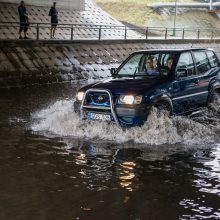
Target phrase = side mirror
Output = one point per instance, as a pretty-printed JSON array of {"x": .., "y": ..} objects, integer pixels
[
  {"x": 180, "y": 73},
  {"x": 113, "y": 70}
]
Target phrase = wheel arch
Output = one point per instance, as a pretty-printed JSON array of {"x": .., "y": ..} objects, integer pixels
[{"x": 164, "y": 98}]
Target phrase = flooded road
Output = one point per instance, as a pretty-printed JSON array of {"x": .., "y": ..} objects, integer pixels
[{"x": 54, "y": 166}]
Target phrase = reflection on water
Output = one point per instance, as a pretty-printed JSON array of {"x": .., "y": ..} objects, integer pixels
[
  {"x": 207, "y": 180},
  {"x": 127, "y": 175},
  {"x": 46, "y": 175},
  {"x": 200, "y": 211},
  {"x": 209, "y": 175}
]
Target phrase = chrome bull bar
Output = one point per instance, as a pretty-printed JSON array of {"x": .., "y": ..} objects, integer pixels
[{"x": 111, "y": 107}]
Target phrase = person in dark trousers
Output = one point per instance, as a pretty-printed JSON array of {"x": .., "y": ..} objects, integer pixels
[
  {"x": 24, "y": 23},
  {"x": 53, "y": 13}
]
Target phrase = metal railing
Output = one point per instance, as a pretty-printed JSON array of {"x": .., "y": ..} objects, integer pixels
[{"x": 41, "y": 31}]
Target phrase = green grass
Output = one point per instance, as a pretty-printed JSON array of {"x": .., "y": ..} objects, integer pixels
[{"x": 131, "y": 11}]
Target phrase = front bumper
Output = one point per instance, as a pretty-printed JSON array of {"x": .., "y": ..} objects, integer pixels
[{"x": 128, "y": 115}]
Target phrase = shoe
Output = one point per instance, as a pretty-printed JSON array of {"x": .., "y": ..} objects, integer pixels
[
  {"x": 20, "y": 37},
  {"x": 26, "y": 37}
]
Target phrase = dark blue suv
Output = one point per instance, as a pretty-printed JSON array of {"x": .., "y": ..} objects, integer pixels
[{"x": 178, "y": 81}]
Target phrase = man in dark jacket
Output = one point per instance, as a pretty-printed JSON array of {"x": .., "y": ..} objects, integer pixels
[
  {"x": 53, "y": 13},
  {"x": 23, "y": 20}
]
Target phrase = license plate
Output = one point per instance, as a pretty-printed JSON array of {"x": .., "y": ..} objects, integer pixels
[{"x": 96, "y": 116}]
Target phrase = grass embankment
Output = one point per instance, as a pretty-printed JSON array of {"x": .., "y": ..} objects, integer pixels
[{"x": 132, "y": 11}]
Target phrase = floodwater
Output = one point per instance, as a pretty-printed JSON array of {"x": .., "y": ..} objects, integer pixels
[{"x": 54, "y": 166}]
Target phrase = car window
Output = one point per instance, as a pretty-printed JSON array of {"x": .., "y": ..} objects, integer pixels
[
  {"x": 186, "y": 62},
  {"x": 212, "y": 58},
  {"x": 131, "y": 66},
  {"x": 150, "y": 64},
  {"x": 202, "y": 62},
  {"x": 164, "y": 57}
]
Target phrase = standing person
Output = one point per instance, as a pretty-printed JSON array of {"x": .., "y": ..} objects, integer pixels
[
  {"x": 54, "y": 19},
  {"x": 24, "y": 23}
]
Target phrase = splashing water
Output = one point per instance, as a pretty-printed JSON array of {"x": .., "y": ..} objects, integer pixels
[{"x": 61, "y": 120}]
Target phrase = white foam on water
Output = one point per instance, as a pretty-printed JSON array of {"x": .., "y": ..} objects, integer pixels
[{"x": 60, "y": 119}]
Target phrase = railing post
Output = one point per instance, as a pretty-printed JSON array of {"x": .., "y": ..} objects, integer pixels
[
  {"x": 147, "y": 33},
  {"x": 100, "y": 32},
  {"x": 212, "y": 35},
  {"x": 37, "y": 31},
  {"x": 166, "y": 34},
  {"x": 125, "y": 32},
  {"x": 183, "y": 34},
  {"x": 71, "y": 37},
  {"x": 198, "y": 33}
]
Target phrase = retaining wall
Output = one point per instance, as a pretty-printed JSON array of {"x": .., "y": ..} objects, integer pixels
[{"x": 26, "y": 63}]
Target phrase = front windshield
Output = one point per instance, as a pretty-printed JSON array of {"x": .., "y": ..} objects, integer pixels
[{"x": 148, "y": 65}]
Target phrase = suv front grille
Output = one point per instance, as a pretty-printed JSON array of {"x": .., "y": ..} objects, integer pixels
[{"x": 98, "y": 99}]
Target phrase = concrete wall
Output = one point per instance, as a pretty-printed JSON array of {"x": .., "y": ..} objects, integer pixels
[
  {"x": 26, "y": 63},
  {"x": 75, "y": 4}
]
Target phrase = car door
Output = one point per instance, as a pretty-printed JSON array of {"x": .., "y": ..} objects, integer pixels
[
  {"x": 204, "y": 75},
  {"x": 184, "y": 87}
]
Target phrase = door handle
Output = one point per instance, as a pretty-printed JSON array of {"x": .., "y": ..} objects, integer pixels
[{"x": 196, "y": 81}]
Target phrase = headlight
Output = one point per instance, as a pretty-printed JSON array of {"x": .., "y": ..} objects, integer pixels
[
  {"x": 79, "y": 96},
  {"x": 130, "y": 99}
]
